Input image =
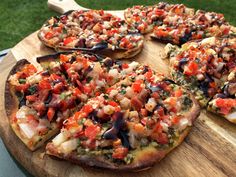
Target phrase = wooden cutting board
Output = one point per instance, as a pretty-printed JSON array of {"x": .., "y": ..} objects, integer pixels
[{"x": 209, "y": 150}]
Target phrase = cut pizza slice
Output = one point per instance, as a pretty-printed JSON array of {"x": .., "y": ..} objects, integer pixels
[
  {"x": 201, "y": 25},
  {"x": 37, "y": 102},
  {"x": 224, "y": 103},
  {"x": 145, "y": 18},
  {"x": 203, "y": 66},
  {"x": 91, "y": 30},
  {"x": 131, "y": 126}
]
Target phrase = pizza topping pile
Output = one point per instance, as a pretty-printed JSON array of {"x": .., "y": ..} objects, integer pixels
[
  {"x": 177, "y": 23},
  {"x": 48, "y": 97},
  {"x": 142, "y": 110},
  {"x": 89, "y": 29},
  {"x": 208, "y": 67}
]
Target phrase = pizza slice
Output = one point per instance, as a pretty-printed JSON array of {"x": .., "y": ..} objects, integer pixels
[
  {"x": 37, "y": 102},
  {"x": 24, "y": 120},
  {"x": 224, "y": 103},
  {"x": 145, "y": 18},
  {"x": 203, "y": 66},
  {"x": 91, "y": 30},
  {"x": 202, "y": 25},
  {"x": 131, "y": 126}
]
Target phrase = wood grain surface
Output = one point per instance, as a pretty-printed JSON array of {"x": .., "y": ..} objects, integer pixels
[{"x": 209, "y": 150}]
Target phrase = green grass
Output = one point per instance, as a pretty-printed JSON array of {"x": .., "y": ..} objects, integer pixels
[{"x": 20, "y": 18}]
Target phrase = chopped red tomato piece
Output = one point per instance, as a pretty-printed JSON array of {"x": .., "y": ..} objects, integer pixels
[
  {"x": 68, "y": 40},
  {"x": 29, "y": 69},
  {"x": 113, "y": 103},
  {"x": 191, "y": 68},
  {"x": 136, "y": 86},
  {"x": 92, "y": 131},
  {"x": 48, "y": 35},
  {"x": 178, "y": 93},
  {"x": 77, "y": 92},
  {"x": 22, "y": 87},
  {"x": 120, "y": 153},
  {"x": 64, "y": 58},
  {"x": 50, "y": 113},
  {"x": 71, "y": 123},
  {"x": 44, "y": 84},
  {"x": 162, "y": 138},
  {"x": 87, "y": 89},
  {"x": 136, "y": 103},
  {"x": 87, "y": 108},
  {"x": 31, "y": 98},
  {"x": 125, "y": 65},
  {"x": 58, "y": 88}
]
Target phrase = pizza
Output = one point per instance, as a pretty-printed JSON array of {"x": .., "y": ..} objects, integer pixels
[
  {"x": 104, "y": 113},
  {"x": 207, "y": 68},
  {"x": 201, "y": 25},
  {"x": 91, "y": 30},
  {"x": 145, "y": 18},
  {"x": 176, "y": 23},
  {"x": 128, "y": 127},
  {"x": 38, "y": 101}
]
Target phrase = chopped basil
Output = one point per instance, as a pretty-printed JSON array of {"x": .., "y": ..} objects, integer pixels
[
  {"x": 33, "y": 89},
  {"x": 81, "y": 121},
  {"x": 22, "y": 81},
  {"x": 123, "y": 92},
  {"x": 79, "y": 142}
]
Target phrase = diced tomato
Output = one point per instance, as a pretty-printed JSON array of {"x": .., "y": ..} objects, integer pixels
[
  {"x": 144, "y": 112},
  {"x": 30, "y": 69},
  {"x": 160, "y": 111},
  {"x": 92, "y": 131},
  {"x": 64, "y": 58},
  {"x": 71, "y": 123},
  {"x": 113, "y": 103},
  {"x": 125, "y": 65},
  {"x": 87, "y": 108},
  {"x": 109, "y": 90},
  {"x": 225, "y": 110},
  {"x": 120, "y": 153},
  {"x": 68, "y": 40},
  {"x": 58, "y": 88},
  {"x": 87, "y": 89},
  {"x": 155, "y": 95},
  {"x": 44, "y": 84},
  {"x": 178, "y": 93},
  {"x": 31, "y": 98},
  {"x": 31, "y": 119},
  {"x": 148, "y": 75},
  {"x": 22, "y": 87},
  {"x": 97, "y": 93},
  {"x": 77, "y": 92},
  {"x": 136, "y": 86},
  {"x": 48, "y": 35},
  {"x": 136, "y": 103},
  {"x": 40, "y": 107},
  {"x": 191, "y": 68},
  {"x": 50, "y": 113},
  {"x": 159, "y": 12},
  {"x": 162, "y": 138},
  {"x": 175, "y": 120},
  {"x": 161, "y": 33}
]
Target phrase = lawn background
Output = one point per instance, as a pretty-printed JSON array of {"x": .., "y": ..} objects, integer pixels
[{"x": 20, "y": 18}]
